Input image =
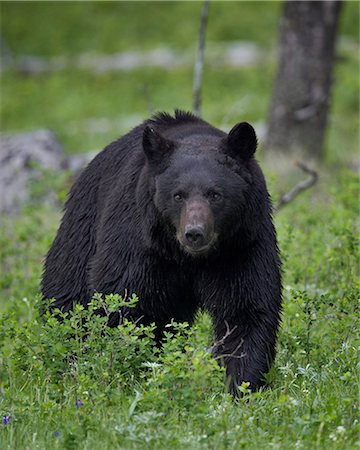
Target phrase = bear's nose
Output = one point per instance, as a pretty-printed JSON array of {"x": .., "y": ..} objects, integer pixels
[{"x": 194, "y": 235}]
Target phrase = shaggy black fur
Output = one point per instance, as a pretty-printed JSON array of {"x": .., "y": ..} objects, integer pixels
[{"x": 126, "y": 228}]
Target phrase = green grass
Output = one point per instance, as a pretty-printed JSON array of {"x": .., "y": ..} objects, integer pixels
[
  {"x": 107, "y": 28},
  {"x": 135, "y": 398},
  {"x": 68, "y": 101},
  {"x": 132, "y": 396},
  {"x": 117, "y": 96}
]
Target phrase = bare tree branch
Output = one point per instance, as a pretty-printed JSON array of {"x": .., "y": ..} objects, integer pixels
[
  {"x": 226, "y": 335},
  {"x": 233, "y": 354},
  {"x": 221, "y": 341},
  {"x": 299, "y": 187},
  {"x": 199, "y": 62}
]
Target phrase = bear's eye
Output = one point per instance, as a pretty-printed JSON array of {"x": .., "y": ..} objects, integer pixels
[
  {"x": 212, "y": 195},
  {"x": 178, "y": 197}
]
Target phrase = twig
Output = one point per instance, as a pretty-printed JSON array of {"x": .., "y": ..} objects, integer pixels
[
  {"x": 199, "y": 62},
  {"x": 221, "y": 341},
  {"x": 234, "y": 353},
  {"x": 299, "y": 187},
  {"x": 226, "y": 335}
]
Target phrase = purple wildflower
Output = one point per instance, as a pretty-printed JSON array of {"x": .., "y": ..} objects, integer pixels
[
  {"x": 57, "y": 434},
  {"x": 79, "y": 403},
  {"x": 6, "y": 419}
]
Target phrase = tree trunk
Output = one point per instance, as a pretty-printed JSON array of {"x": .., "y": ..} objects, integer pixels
[{"x": 299, "y": 108}]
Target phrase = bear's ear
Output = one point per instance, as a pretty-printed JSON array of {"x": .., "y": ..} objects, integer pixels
[
  {"x": 155, "y": 146},
  {"x": 241, "y": 142}
]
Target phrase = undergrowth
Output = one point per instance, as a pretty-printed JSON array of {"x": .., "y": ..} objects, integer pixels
[{"x": 76, "y": 383}]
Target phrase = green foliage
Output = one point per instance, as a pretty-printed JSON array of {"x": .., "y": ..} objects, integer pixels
[
  {"x": 59, "y": 367},
  {"x": 87, "y": 110},
  {"x": 129, "y": 25},
  {"x": 80, "y": 351},
  {"x": 107, "y": 27},
  {"x": 76, "y": 383}
]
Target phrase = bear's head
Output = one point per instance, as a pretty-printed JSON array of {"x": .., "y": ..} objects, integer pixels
[{"x": 207, "y": 185}]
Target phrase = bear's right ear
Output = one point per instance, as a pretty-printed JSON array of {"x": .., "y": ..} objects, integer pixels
[
  {"x": 241, "y": 141},
  {"x": 155, "y": 146}
]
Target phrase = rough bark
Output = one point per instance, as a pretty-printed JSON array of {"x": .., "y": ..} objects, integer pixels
[{"x": 300, "y": 103}]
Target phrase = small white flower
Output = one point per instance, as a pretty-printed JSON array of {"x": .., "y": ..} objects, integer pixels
[{"x": 332, "y": 436}]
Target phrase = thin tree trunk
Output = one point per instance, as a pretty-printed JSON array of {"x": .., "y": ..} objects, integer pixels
[
  {"x": 199, "y": 62},
  {"x": 300, "y": 103}
]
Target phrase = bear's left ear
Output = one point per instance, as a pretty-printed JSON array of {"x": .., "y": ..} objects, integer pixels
[
  {"x": 155, "y": 146},
  {"x": 241, "y": 142}
]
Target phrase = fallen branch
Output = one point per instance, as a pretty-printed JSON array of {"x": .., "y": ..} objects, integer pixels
[
  {"x": 199, "y": 62},
  {"x": 299, "y": 187},
  {"x": 234, "y": 353},
  {"x": 215, "y": 348},
  {"x": 221, "y": 341}
]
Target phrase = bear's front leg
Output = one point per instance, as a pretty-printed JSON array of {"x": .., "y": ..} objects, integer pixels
[
  {"x": 244, "y": 298},
  {"x": 246, "y": 347}
]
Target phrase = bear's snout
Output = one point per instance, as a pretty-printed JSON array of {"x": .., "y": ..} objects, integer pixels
[{"x": 196, "y": 233}]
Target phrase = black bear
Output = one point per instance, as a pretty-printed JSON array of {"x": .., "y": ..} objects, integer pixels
[{"x": 178, "y": 212}]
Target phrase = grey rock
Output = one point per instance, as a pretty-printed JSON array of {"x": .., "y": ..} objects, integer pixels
[
  {"x": 76, "y": 163},
  {"x": 23, "y": 158}
]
